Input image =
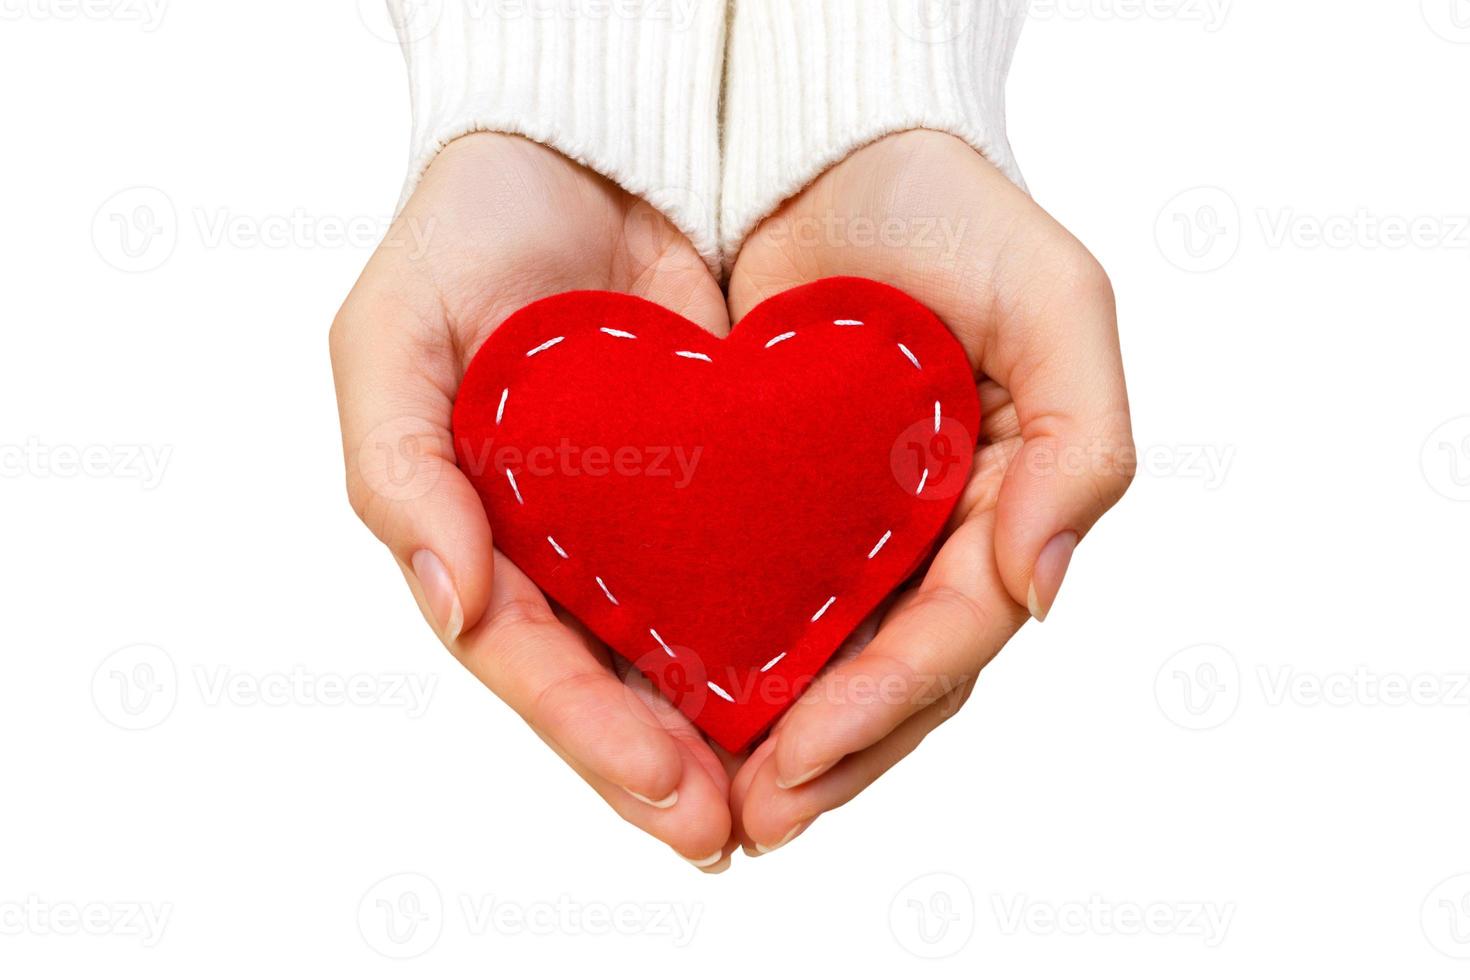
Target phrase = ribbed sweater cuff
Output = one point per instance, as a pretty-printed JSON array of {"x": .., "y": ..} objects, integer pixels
[
  {"x": 630, "y": 90},
  {"x": 810, "y": 81}
]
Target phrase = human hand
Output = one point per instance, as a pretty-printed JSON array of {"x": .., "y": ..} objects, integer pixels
[
  {"x": 1035, "y": 314},
  {"x": 498, "y": 222}
]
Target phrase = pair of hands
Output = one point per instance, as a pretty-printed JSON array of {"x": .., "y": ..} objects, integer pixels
[{"x": 499, "y": 221}]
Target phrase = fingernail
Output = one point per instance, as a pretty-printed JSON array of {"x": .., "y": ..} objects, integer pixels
[
  {"x": 791, "y": 836},
  {"x": 662, "y": 804},
  {"x": 1051, "y": 568},
  {"x": 438, "y": 589},
  {"x": 805, "y": 777},
  {"x": 719, "y": 867},
  {"x": 709, "y": 862}
]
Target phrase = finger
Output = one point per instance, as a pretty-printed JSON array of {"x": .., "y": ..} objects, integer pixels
[
  {"x": 719, "y": 764},
  {"x": 550, "y": 678},
  {"x": 770, "y": 816},
  {"x": 742, "y": 770},
  {"x": 1056, "y": 351},
  {"x": 396, "y": 376},
  {"x": 740, "y": 786},
  {"x": 932, "y": 646},
  {"x": 697, "y": 826},
  {"x": 1049, "y": 337}
]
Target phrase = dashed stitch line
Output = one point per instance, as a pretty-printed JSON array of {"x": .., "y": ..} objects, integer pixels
[
  {"x": 654, "y": 633},
  {"x": 695, "y": 355},
  {"x": 546, "y": 346},
  {"x": 825, "y": 606}
]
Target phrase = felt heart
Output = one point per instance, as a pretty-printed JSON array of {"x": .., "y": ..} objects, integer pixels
[{"x": 722, "y": 513}]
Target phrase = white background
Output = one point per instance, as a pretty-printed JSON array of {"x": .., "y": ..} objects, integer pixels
[{"x": 1245, "y": 723}]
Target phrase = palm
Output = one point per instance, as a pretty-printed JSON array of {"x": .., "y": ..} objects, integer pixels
[{"x": 510, "y": 221}]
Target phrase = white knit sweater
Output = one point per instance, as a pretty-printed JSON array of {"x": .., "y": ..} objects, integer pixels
[{"x": 636, "y": 89}]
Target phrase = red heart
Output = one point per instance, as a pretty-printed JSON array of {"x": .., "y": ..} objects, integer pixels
[{"x": 721, "y": 513}]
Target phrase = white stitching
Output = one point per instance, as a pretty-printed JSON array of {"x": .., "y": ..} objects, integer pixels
[
  {"x": 654, "y": 633},
  {"x": 546, "y": 346},
  {"x": 695, "y": 355}
]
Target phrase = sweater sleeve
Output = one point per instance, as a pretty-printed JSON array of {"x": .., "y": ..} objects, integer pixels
[
  {"x": 810, "y": 81},
  {"x": 630, "y": 91}
]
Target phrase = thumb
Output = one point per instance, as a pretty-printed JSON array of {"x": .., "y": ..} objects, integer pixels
[
  {"x": 1057, "y": 354},
  {"x": 395, "y": 387}
]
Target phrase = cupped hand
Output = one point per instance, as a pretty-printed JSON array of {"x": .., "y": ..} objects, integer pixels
[
  {"x": 1035, "y": 314},
  {"x": 496, "y": 223}
]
